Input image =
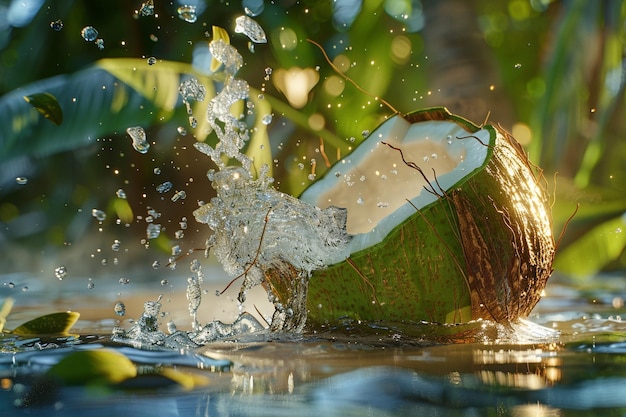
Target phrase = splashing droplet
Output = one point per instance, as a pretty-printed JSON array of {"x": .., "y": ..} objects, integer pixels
[
  {"x": 60, "y": 272},
  {"x": 56, "y": 25},
  {"x": 120, "y": 309},
  {"x": 153, "y": 231},
  {"x": 99, "y": 43},
  {"x": 187, "y": 13},
  {"x": 138, "y": 135},
  {"x": 89, "y": 33},
  {"x": 250, "y": 28},
  {"x": 121, "y": 194},
  {"x": 164, "y": 187},
  {"x": 98, "y": 214},
  {"x": 21, "y": 180},
  {"x": 147, "y": 8}
]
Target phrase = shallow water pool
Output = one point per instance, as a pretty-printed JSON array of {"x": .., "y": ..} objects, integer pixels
[{"x": 567, "y": 360}]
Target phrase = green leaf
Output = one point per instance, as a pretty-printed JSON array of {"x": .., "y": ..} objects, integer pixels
[
  {"x": 591, "y": 252},
  {"x": 55, "y": 323},
  {"x": 47, "y": 105},
  {"x": 99, "y": 366}
]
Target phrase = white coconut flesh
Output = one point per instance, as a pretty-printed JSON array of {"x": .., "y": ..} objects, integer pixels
[{"x": 374, "y": 184}]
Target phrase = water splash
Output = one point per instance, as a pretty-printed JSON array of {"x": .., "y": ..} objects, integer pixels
[
  {"x": 89, "y": 33},
  {"x": 187, "y": 13},
  {"x": 138, "y": 135},
  {"x": 250, "y": 28}
]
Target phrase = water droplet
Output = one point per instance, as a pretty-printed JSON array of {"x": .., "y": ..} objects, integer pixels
[
  {"x": 365, "y": 133},
  {"x": 153, "y": 231},
  {"x": 179, "y": 234},
  {"x": 147, "y": 8},
  {"x": 176, "y": 250},
  {"x": 98, "y": 214},
  {"x": 21, "y": 180},
  {"x": 116, "y": 245},
  {"x": 311, "y": 177},
  {"x": 267, "y": 119},
  {"x": 183, "y": 223},
  {"x": 171, "y": 327},
  {"x": 193, "y": 122},
  {"x": 518, "y": 65},
  {"x": 382, "y": 204},
  {"x": 360, "y": 201},
  {"x": 57, "y": 25},
  {"x": 11, "y": 285},
  {"x": 121, "y": 194},
  {"x": 250, "y": 28},
  {"x": 90, "y": 284},
  {"x": 253, "y": 7},
  {"x": 164, "y": 187},
  {"x": 187, "y": 13},
  {"x": 156, "y": 265},
  {"x": 179, "y": 195},
  {"x": 152, "y": 60},
  {"x": 60, "y": 272},
  {"x": 99, "y": 43},
  {"x": 124, "y": 281},
  {"x": 164, "y": 282},
  {"x": 181, "y": 131},
  {"x": 89, "y": 33},
  {"x": 227, "y": 55},
  {"x": 138, "y": 135},
  {"x": 426, "y": 159},
  {"x": 120, "y": 309},
  {"x": 156, "y": 171}
]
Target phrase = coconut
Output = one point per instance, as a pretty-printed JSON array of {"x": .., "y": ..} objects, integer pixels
[{"x": 449, "y": 224}]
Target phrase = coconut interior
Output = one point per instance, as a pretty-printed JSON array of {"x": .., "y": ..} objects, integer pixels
[{"x": 374, "y": 184}]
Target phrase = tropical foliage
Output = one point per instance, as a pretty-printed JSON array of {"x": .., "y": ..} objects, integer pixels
[{"x": 550, "y": 71}]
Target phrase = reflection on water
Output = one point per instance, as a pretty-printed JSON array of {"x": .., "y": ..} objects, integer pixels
[{"x": 571, "y": 365}]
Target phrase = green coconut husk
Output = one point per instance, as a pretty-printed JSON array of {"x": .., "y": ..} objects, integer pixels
[{"x": 483, "y": 249}]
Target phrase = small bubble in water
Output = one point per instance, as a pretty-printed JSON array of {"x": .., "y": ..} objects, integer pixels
[
  {"x": 99, "y": 43},
  {"x": 156, "y": 171},
  {"x": 267, "y": 119},
  {"x": 179, "y": 195},
  {"x": 98, "y": 214},
  {"x": 121, "y": 194},
  {"x": 152, "y": 60},
  {"x": 138, "y": 135},
  {"x": 120, "y": 309},
  {"x": 187, "y": 13},
  {"x": 116, "y": 245},
  {"x": 89, "y": 33},
  {"x": 21, "y": 180},
  {"x": 164, "y": 187},
  {"x": 181, "y": 131},
  {"x": 60, "y": 272},
  {"x": 156, "y": 265},
  {"x": 56, "y": 25},
  {"x": 124, "y": 281},
  {"x": 153, "y": 231}
]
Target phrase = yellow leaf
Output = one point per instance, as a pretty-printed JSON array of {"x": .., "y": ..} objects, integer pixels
[
  {"x": 55, "y": 323},
  {"x": 98, "y": 366}
]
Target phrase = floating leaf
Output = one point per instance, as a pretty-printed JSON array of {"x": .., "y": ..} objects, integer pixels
[
  {"x": 55, "y": 323},
  {"x": 99, "y": 366},
  {"x": 47, "y": 105}
]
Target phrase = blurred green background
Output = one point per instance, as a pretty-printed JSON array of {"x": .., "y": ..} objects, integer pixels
[{"x": 551, "y": 72}]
